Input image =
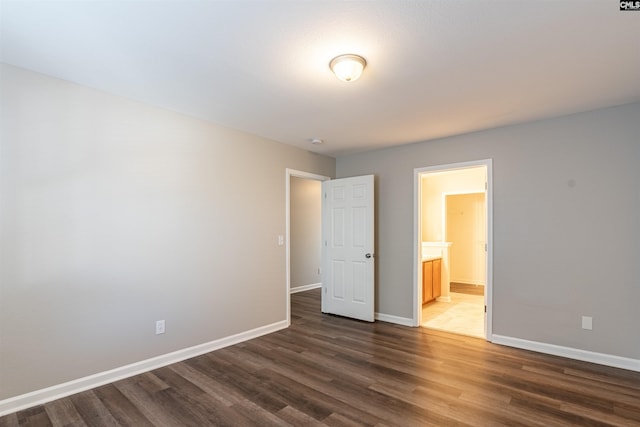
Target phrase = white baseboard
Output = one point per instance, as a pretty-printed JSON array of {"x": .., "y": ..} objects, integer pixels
[
  {"x": 305, "y": 288},
  {"x": 404, "y": 321},
  {"x": 569, "y": 352},
  {"x": 38, "y": 397}
]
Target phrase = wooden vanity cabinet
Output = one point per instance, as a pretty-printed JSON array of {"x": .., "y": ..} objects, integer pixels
[{"x": 431, "y": 279}]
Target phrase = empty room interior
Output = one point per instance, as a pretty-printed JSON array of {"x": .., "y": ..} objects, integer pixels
[{"x": 319, "y": 213}]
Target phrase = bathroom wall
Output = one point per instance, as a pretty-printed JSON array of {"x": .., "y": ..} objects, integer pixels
[
  {"x": 466, "y": 230},
  {"x": 434, "y": 185}
]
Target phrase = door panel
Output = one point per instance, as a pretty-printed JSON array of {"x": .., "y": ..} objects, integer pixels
[
  {"x": 337, "y": 275},
  {"x": 348, "y": 236},
  {"x": 359, "y": 282}
]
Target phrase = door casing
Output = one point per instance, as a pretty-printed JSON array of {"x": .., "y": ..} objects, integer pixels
[{"x": 417, "y": 233}]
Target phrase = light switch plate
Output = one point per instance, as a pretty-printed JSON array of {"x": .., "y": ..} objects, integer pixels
[{"x": 159, "y": 327}]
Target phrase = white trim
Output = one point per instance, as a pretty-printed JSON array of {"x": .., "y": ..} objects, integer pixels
[
  {"x": 305, "y": 288},
  {"x": 569, "y": 352},
  {"x": 417, "y": 253},
  {"x": 299, "y": 174},
  {"x": 38, "y": 397},
  {"x": 404, "y": 321},
  {"x": 417, "y": 247}
]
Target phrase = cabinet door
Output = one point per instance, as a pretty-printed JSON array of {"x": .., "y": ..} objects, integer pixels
[
  {"x": 427, "y": 281},
  {"x": 437, "y": 278}
]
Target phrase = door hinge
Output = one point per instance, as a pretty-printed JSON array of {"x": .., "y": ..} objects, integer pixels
[
  {"x": 485, "y": 308},
  {"x": 485, "y": 247},
  {"x": 325, "y": 195},
  {"x": 486, "y": 185}
]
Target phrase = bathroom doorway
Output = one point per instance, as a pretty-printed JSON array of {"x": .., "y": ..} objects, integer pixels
[{"x": 453, "y": 248}]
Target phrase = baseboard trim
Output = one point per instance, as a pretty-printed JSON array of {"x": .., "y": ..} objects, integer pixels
[
  {"x": 404, "y": 321},
  {"x": 305, "y": 288},
  {"x": 38, "y": 397},
  {"x": 569, "y": 352}
]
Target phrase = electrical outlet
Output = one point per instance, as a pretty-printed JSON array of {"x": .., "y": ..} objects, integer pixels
[
  {"x": 159, "y": 327},
  {"x": 587, "y": 322},
  {"x": 280, "y": 240}
]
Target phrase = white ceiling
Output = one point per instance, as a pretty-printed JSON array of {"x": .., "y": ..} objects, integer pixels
[{"x": 435, "y": 68}]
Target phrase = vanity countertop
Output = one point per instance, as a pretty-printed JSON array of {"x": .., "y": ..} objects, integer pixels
[{"x": 430, "y": 258}]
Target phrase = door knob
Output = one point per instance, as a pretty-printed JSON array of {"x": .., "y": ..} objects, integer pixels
[{"x": 368, "y": 255}]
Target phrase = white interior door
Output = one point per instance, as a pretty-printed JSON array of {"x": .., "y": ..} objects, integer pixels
[{"x": 347, "y": 249}]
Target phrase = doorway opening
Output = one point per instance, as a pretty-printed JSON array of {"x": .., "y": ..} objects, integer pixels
[
  {"x": 303, "y": 233},
  {"x": 453, "y": 251}
]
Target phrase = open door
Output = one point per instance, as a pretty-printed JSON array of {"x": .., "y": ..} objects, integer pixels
[{"x": 347, "y": 247}]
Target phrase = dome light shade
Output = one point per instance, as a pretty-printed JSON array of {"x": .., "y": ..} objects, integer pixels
[{"x": 348, "y": 68}]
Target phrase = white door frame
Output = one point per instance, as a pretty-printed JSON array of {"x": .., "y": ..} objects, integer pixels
[
  {"x": 417, "y": 235},
  {"x": 298, "y": 174}
]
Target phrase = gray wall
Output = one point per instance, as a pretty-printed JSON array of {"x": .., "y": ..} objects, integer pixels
[
  {"x": 306, "y": 231},
  {"x": 115, "y": 214},
  {"x": 566, "y": 236}
]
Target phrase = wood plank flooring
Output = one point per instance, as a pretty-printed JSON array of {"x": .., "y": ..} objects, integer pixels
[
  {"x": 465, "y": 288},
  {"x": 327, "y": 370}
]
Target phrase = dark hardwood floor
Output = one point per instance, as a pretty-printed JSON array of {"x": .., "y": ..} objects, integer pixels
[{"x": 327, "y": 370}]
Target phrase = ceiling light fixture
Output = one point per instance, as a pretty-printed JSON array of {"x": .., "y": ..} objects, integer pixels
[{"x": 348, "y": 68}]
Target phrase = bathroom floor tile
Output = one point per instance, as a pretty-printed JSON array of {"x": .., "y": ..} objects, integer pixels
[{"x": 463, "y": 315}]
